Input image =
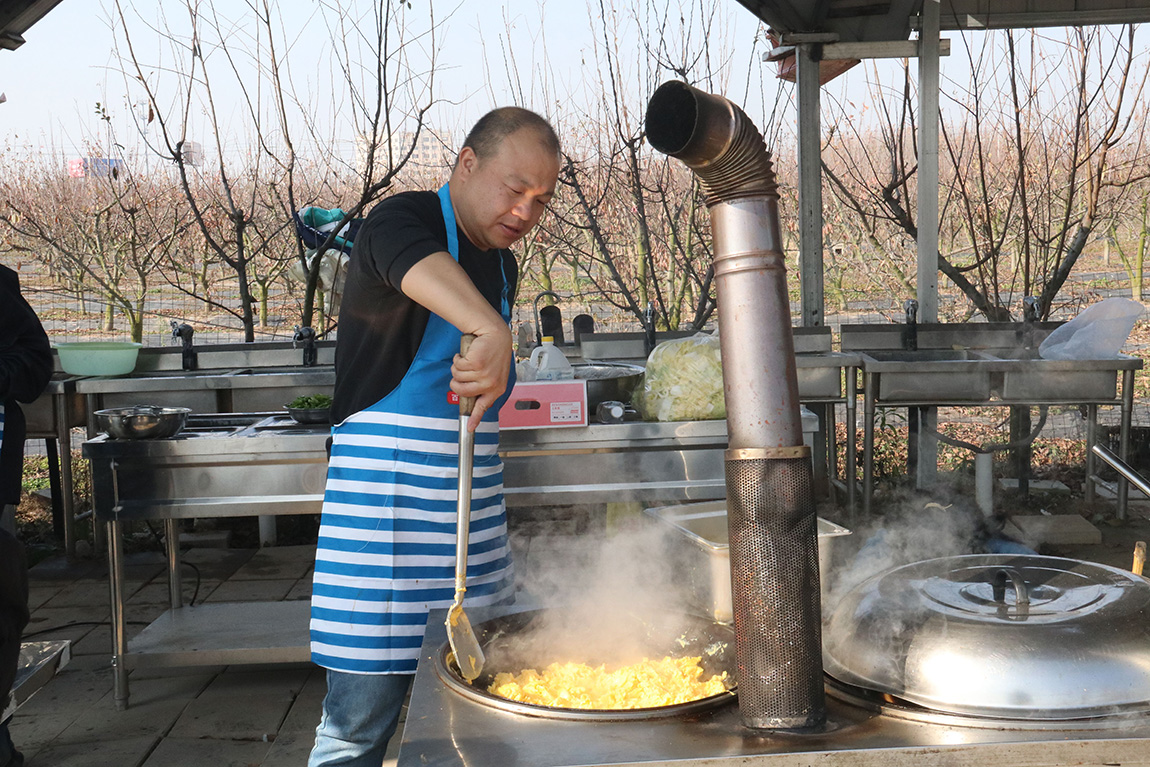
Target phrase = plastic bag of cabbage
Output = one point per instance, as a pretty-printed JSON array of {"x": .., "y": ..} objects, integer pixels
[{"x": 683, "y": 381}]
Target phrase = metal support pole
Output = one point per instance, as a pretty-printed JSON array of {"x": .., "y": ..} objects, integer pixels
[
  {"x": 267, "y": 526},
  {"x": 53, "y": 454},
  {"x": 870, "y": 381},
  {"x": 830, "y": 450},
  {"x": 1124, "y": 439},
  {"x": 64, "y": 451},
  {"x": 119, "y": 628},
  {"x": 1091, "y": 464},
  {"x": 810, "y": 188},
  {"x": 852, "y": 424},
  {"x": 1019, "y": 429},
  {"x": 928, "y": 68},
  {"x": 172, "y": 543},
  {"x": 927, "y": 283}
]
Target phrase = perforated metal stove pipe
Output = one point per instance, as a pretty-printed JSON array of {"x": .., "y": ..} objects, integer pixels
[{"x": 770, "y": 507}]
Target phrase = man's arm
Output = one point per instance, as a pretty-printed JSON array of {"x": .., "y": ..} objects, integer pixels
[{"x": 440, "y": 285}]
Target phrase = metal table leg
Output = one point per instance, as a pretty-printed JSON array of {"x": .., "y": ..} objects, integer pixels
[
  {"x": 831, "y": 449},
  {"x": 869, "y": 384},
  {"x": 64, "y": 451},
  {"x": 1091, "y": 464},
  {"x": 119, "y": 627},
  {"x": 852, "y": 424},
  {"x": 1124, "y": 439},
  {"x": 53, "y": 454},
  {"x": 172, "y": 541}
]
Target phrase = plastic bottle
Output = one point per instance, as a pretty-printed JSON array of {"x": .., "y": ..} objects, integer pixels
[{"x": 550, "y": 362}]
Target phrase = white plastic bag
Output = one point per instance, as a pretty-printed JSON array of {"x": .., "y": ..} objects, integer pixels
[
  {"x": 683, "y": 381},
  {"x": 1096, "y": 334}
]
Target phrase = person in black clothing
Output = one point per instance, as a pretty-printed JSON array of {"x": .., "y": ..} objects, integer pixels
[{"x": 25, "y": 367}]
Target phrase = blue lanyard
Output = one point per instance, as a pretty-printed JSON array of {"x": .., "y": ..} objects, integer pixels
[{"x": 453, "y": 247}]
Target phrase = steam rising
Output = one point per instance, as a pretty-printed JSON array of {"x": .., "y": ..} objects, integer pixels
[
  {"x": 909, "y": 531},
  {"x": 614, "y": 600}
]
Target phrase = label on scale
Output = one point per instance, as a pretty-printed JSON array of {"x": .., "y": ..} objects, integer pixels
[{"x": 566, "y": 412}]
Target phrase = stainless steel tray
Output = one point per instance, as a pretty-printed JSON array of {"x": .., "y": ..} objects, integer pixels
[{"x": 699, "y": 546}]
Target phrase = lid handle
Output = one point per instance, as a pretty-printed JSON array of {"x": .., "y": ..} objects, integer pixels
[{"x": 1021, "y": 596}]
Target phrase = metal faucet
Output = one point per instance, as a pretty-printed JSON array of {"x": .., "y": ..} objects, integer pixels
[
  {"x": 648, "y": 329},
  {"x": 306, "y": 336},
  {"x": 1031, "y": 310},
  {"x": 183, "y": 332},
  {"x": 538, "y": 319},
  {"x": 910, "y": 332}
]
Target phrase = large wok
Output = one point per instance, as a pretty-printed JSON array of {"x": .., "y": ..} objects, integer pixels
[{"x": 536, "y": 638}]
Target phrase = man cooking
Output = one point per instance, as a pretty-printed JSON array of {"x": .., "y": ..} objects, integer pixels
[{"x": 426, "y": 268}]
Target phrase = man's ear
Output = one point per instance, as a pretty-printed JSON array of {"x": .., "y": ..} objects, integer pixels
[{"x": 468, "y": 160}]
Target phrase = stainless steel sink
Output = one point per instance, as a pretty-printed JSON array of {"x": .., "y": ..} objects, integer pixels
[
  {"x": 218, "y": 390},
  {"x": 1024, "y": 376},
  {"x": 930, "y": 375}
]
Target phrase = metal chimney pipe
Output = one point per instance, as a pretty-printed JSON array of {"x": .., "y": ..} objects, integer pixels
[{"x": 770, "y": 505}]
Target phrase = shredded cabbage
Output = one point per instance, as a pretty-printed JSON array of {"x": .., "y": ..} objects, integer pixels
[{"x": 683, "y": 381}]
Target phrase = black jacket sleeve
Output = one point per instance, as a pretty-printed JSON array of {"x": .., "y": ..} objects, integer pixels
[
  {"x": 25, "y": 354},
  {"x": 25, "y": 368}
]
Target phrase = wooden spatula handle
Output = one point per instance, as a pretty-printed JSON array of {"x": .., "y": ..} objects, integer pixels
[{"x": 466, "y": 404}]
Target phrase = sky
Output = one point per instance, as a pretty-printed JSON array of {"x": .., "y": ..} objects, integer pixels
[{"x": 69, "y": 64}]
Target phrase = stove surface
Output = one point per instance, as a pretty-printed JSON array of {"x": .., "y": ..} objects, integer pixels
[{"x": 444, "y": 728}]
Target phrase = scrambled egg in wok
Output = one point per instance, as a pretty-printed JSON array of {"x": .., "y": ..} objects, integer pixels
[{"x": 647, "y": 684}]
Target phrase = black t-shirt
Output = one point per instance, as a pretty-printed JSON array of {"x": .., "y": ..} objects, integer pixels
[{"x": 380, "y": 329}]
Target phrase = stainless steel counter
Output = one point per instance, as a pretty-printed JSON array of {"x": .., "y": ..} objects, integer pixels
[
  {"x": 266, "y": 464},
  {"x": 210, "y": 390},
  {"x": 606, "y": 463},
  {"x": 444, "y": 728},
  {"x": 222, "y": 466},
  {"x": 51, "y": 417}
]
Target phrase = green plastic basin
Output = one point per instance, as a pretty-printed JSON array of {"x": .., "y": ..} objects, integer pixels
[{"x": 98, "y": 358}]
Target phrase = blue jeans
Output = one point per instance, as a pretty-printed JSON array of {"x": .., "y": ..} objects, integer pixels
[{"x": 360, "y": 714}]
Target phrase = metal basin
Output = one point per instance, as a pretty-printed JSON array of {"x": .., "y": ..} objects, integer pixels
[
  {"x": 523, "y": 640},
  {"x": 930, "y": 375},
  {"x": 142, "y": 421},
  {"x": 700, "y": 548},
  {"x": 1027, "y": 377}
]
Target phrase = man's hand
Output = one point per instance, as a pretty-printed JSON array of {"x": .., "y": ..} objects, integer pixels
[
  {"x": 483, "y": 372},
  {"x": 440, "y": 284}
]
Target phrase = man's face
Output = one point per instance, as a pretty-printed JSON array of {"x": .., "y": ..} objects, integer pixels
[{"x": 499, "y": 199}]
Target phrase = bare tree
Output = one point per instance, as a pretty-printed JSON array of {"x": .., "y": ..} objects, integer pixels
[
  {"x": 111, "y": 228},
  {"x": 1025, "y": 166},
  {"x": 629, "y": 222},
  {"x": 232, "y": 70}
]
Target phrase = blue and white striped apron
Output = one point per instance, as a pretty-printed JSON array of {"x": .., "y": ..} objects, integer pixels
[{"x": 386, "y": 551}]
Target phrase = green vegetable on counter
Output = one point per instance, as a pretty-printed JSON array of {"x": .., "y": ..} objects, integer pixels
[
  {"x": 310, "y": 402},
  {"x": 683, "y": 381}
]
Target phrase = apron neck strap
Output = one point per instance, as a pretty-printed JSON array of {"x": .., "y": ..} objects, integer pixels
[{"x": 449, "y": 220}]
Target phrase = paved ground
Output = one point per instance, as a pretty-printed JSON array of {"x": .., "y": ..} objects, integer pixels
[
  {"x": 237, "y": 716},
  {"x": 221, "y": 716}
]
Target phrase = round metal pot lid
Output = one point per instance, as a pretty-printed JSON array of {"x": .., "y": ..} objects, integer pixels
[{"x": 1021, "y": 637}]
